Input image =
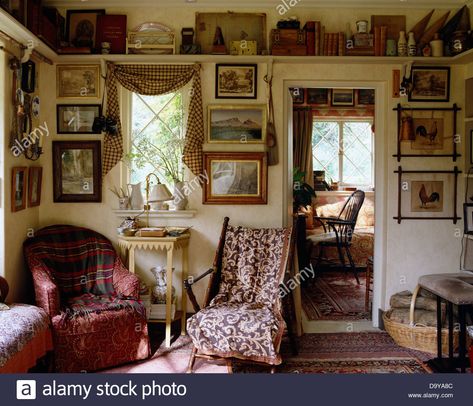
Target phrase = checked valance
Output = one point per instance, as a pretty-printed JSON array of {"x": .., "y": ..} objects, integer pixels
[{"x": 155, "y": 80}]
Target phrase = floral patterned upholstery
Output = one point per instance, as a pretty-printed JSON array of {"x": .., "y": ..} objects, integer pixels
[
  {"x": 20, "y": 327},
  {"x": 244, "y": 319}
]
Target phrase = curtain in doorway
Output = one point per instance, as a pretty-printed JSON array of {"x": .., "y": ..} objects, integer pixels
[
  {"x": 155, "y": 80},
  {"x": 302, "y": 127}
]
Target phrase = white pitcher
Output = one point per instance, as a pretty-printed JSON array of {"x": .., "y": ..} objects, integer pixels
[{"x": 136, "y": 196}]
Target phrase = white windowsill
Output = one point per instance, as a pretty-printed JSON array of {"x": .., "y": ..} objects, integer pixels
[{"x": 158, "y": 214}]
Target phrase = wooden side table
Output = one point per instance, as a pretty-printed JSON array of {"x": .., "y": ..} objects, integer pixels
[{"x": 169, "y": 245}]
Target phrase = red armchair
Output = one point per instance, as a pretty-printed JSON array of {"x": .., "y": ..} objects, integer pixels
[{"x": 91, "y": 298}]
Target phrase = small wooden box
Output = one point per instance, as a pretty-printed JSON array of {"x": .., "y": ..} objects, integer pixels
[
  {"x": 288, "y": 36},
  {"x": 363, "y": 40},
  {"x": 289, "y": 50}
]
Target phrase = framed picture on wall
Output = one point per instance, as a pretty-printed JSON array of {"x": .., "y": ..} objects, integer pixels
[
  {"x": 366, "y": 97},
  {"x": 237, "y": 124},
  {"x": 298, "y": 95},
  {"x": 319, "y": 97},
  {"x": 77, "y": 170},
  {"x": 468, "y": 217},
  {"x": 78, "y": 81},
  {"x": 77, "y": 118},
  {"x": 35, "y": 177},
  {"x": 343, "y": 97},
  {"x": 430, "y": 84},
  {"x": 18, "y": 188},
  {"x": 471, "y": 147},
  {"x": 235, "y": 178},
  {"x": 236, "y": 81}
]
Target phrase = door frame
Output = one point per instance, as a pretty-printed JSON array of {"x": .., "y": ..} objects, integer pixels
[{"x": 380, "y": 173}]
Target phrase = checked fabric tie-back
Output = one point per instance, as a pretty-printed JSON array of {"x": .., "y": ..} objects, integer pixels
[{"x": 151, "y": 80}]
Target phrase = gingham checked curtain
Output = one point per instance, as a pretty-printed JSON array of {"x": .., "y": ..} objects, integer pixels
[{"x": 155, "y": 80}]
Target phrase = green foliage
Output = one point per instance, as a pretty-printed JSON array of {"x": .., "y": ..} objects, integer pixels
[{"x": 303, "y": 193}]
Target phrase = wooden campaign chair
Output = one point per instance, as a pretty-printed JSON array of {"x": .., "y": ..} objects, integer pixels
[{"x": 242, "y": 313}]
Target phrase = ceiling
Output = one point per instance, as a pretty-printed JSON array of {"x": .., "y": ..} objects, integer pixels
[{"x": 236, "y": 4}]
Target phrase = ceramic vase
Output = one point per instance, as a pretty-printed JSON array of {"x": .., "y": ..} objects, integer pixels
[
  {"x": 180, "y": 200},
  {"x": 402, "y": 44},
  {"x": 160, "y": 289},
  {"x": 411, "y": 45},
  {"x": 136, "y": 196}
]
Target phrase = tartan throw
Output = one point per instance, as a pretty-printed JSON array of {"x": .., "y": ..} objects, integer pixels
[
  {"x": 81, "y": 262},
  {"x": 155, "y": 80}
]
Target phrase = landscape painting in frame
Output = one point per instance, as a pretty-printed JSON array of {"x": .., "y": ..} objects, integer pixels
[
  {"x": 244, "y": 124},
  {"x": 18, "y": 188},
  {"x": 80, "y": 81},
  {"x": 430, "y": 84},
  {"x": 236, "y": 178},
  {"x": 236, "y": 81},
  {"x": 427, "y": 196},
  {"x": 77, "y": 171}
]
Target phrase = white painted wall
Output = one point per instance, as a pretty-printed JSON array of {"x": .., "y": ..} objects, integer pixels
[{"x": 412, "y": 248}]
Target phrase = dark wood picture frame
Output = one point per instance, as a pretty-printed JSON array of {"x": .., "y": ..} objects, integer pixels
[
  {"x": 454, "y": 173},
  {"x": 19, "y": 185},
  {"x": 318, "y": 97},
  {"x": 298, "y": 95},
  {"x": 261, "y": 178},
  {"x": 365, "y": 97},
  {"x": 421, "y": 84},
  {"x": 468, "y": 218},
  {"x": 69, "y": 16},
  {"x": 471, "y": 147},
  {"x": 454, "y": 111},
  {"x": 61, "y": 108},
  {"x": 34, "y": 189},
  {"x": 253, "y": 94},
  {"x": 60, "y": 148}
]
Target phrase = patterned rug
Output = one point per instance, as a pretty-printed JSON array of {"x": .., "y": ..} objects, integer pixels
[
  {"x": 335, "y": 295},
  {"x": 346, "y": 353}
]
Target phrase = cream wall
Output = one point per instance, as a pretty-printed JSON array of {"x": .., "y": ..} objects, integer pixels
[
  {"x": 16, "y": 225},
  {"x": 413, "y": 248}
]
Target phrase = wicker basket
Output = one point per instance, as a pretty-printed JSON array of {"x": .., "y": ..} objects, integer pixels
[{"x": 417, "y": 337}]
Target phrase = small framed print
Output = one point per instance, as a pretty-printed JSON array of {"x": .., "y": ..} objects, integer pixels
[
  {"x": 366, "y": 97},
  {"x": 77, "y": 170},
  {"x": 18, "y": 188},
  {"x": 81, "y": 27},
  {"x": 343, "y": 97},
  {"x": 298, "y": 95},
  {"x": 468, "y": 217},
  {"x": 430, "y": 84},
  {"x": 318, "y": 96},
  {"x": 471, "y": 147},
  {"x": 78, "y": 81},
  {"x": 236, "y": 81},
  {"x": 237, "y": 124},
  {"x": 235, "y": 178},
  {"x": 35, "y": 177},
  {"x": 77, "y": 118}
]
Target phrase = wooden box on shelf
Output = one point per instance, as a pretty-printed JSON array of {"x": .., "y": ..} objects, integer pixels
[{"x": 287, "y": 42}]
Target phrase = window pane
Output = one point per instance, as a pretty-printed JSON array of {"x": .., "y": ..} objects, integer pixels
[
  {"x": 157, "y": 137},
  {"x": 357, "y": 153},
  {"x": 325, "y": 148}
]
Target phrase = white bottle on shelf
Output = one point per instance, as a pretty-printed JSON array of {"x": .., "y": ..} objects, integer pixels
[
  {"x": 411, "y": 45},
  {"x": 402, "y": 44}
]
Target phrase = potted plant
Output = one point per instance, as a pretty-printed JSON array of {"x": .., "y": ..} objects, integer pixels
[{"x": 303, "y": 193}]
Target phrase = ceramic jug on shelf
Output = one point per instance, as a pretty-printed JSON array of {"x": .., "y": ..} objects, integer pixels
[
  {"x": 402, "y": 44},
  {"x": 136, "y": 196}
]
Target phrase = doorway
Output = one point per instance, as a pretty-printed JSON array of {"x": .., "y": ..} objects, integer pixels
[{"x": 345, "y": 118}]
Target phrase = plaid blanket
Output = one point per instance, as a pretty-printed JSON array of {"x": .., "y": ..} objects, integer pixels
[{"x": 81, "y": 263}]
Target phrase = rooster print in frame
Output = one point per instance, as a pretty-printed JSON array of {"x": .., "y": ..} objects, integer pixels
[
  {"x": 427, "y": 196},
  {"x": 429, "y": 134}
]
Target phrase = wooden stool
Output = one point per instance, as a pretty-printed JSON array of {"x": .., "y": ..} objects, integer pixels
[
  {"x": 368, "y": 280},
  {"x": 455, "y": 289}
]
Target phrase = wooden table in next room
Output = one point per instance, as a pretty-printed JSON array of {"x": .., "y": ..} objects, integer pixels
[{"x": 169, "y": 245}]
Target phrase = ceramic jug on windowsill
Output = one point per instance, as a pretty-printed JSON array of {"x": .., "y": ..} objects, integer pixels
[{"x": 136, "y": 196}]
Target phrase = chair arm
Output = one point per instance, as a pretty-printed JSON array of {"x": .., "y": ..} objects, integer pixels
[
  {"x": 322, "y": 221},
  {"x": 46, "y": 290},
  {"x": 340, "y": 222},
  {"x": 188, "y": 286},
  {"x": 124, "y": 282}
]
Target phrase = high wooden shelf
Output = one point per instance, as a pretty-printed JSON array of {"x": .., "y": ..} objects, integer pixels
[{"x": 20, "y": 33}]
